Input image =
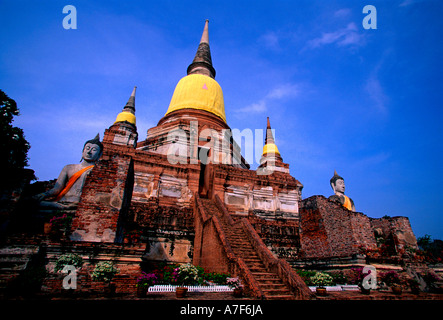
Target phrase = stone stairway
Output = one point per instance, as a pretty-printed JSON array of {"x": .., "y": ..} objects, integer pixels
[{"x": 269, "y": 282}]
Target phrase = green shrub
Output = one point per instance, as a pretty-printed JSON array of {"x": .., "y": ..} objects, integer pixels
[
  {"x": 321, "y": 279},
  {"x": 218, "y": 278},
  {"x": 306, "y": 276},
  {"x": 104, "y": 271},
  {"x": 68, "y": 259}
]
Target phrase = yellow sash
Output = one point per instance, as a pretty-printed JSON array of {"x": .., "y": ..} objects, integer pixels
[
  {"x": 347, "y": 204},
  {"x": 71, "y": 182}
]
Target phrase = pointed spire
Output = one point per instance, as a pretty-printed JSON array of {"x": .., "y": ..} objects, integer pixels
[
  {"x": 270, "y": 146},
  {"x": 128, "y": 113},
  {"x": 130, "y": 105},
  {"x": 202, "y": 63},
  {"x": 269, "y": 136},
  {"x": 205, "y": 35}
]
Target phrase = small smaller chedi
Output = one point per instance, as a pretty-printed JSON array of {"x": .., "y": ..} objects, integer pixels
[
  {"x": 338, "y": 185},
  {"x": 68, "y": 187}
]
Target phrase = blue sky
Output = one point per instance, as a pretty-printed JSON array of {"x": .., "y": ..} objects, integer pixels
[{"x": 366, "y": 103}]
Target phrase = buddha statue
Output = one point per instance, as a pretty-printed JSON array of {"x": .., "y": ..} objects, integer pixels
[
  {"x": 338, "y": 186},
  {"x": 65, "y": 195}
]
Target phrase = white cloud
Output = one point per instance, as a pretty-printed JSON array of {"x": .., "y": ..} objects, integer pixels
[
  {"x": 270, "y": 40},
  {"x": 376, "y": 93},
  {"x": 406, "y": 3},
  {"x": 288, "y": 90},
  {"x": 257, "y": 107},
  {"x": 348, "y": 36},
  {"x": 283, "y": 91},
  {"x": 341, "y": 13}
]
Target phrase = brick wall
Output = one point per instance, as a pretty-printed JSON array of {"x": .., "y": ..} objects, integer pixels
[
  {"x": 396, "y": 228},
  {"x": 127, "y": 259},
  {"x": 105, "y": 197},
  {"x": 330, "y": 230},
  {"x": 280, "y": 236}
]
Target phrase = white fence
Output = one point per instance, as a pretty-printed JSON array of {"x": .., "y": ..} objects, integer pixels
[
  {"x": 343, "y": 287},
  {"x": 169, "y": 288}
]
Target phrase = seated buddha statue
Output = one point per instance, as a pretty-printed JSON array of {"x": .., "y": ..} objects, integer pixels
[
  {"x": 68, "y": 187},
  {"x": 338, "y": 185}
]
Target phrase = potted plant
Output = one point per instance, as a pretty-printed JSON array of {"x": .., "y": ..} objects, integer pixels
[
  {"x": 359, "y": 277},
  {"x": 184, "y": 275},
  {"x": 144, "y": 282},
  {"x": 58, "y": 225},
  {"x": 321, "y": 280},
  {"x": 392, "y": 280},
  {"x": 105, "y": 271},
  {"x": 235, "y": 284},
  {"x": 414, "y": 285},
  {"x": 68, "y": 259}
]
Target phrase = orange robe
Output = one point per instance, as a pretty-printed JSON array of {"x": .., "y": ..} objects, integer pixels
[
  {"x": 71, "y": 182},
  {"x": 347, "y": 204}
]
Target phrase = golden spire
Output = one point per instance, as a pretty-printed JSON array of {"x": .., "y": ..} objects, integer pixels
[
  {"x": 270, "y": 146},
  {"x": 128, "y": 113}
]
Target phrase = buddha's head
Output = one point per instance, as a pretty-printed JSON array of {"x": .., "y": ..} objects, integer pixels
[
  {"x": 92, "y": 150},
  {"x": 337, "y": 184}
]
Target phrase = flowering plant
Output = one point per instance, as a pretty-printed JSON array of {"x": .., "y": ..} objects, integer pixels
[
  {"x": 321, "y": 279},
  {"x": 60, "y": 222},
  {"x": 234, "y": 283},
  {"x": 146, "y": 280},
  {"x": 186, "y": 274},
  {"x": 104, "y": 271},
  {"x": 68, "y": 259},
  {"x": 390, "y": 278}
]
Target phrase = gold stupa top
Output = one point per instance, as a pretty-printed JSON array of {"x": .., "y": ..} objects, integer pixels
[
  {"x": 128, "y": 113},
  {"x": 270, "y": 146},
  {"x": 197, "y": 91}
]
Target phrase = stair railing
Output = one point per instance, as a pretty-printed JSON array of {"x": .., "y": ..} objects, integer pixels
[
  {"x": 279, "y": 266},
  {"x": 237, "y": 264}
]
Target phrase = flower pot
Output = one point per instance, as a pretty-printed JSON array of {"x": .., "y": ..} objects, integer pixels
[
  {"x": 397, "y": 289},
  {"x": 238, "y": 292},
  {"x": 142, "y": 291},
  {"x": 415, "y": 290},
  {"x": 67, "y": 293},
  {"x": 47, "y": 228},
  {"x": 180, "y": 292},
  {"x": 321, "y": 291},
  {"x": 365, "y": 291},
  {"x": 109, "y": 290}
]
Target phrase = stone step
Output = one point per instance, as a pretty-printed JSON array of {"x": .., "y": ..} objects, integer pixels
[
  {"x": 265, "y": 275},
  {"x": 280, "y": 297},
  {"x": 240, "y": 242},
  {"x": 256, "y": 269},
  {"x": 276, "y": 292},
  {"x": 272, "y": 285},
  {"x": 245, "y": 250},
  {"x": 252, "y": 259},
  {"x": 244, "y": 246}
]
